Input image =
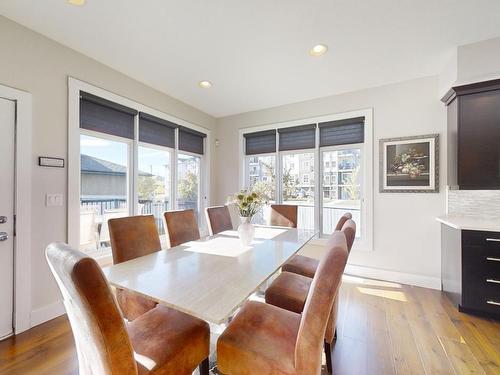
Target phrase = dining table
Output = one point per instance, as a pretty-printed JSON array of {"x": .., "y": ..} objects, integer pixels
[{"x": 210, "y": 278}]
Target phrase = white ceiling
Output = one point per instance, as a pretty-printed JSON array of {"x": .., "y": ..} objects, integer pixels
[{"x": 255, "y": 52}]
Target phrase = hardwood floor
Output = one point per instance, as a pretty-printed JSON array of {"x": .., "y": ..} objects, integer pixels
[{"x": 384, "y": 328}]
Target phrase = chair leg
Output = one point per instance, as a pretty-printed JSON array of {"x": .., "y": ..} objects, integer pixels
[
  {"x": 204, "y": 367},
  {"x": 328, "y": 354}
]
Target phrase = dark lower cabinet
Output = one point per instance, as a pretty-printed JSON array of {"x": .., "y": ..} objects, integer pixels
[{"x": 471, "y": 270}]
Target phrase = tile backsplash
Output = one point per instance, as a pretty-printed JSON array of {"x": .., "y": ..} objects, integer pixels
[{"x": 484, "y": 203}]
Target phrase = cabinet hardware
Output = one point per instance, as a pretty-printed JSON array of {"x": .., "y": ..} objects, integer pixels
[
  {"x": 493, "y": 259},
  {"x": 493, "y": 239},
  {"x": 490, "y": 302},
  {"x": 493, "y": 281}
]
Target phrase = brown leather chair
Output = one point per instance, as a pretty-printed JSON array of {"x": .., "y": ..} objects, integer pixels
[
  {"x": 306, "y": 266},
  {"x": 218, "y": 219},
  {"x": 132, "y": 237},
  {"x": 289, "y": 291},
  {"x": 264, "y": 339},
  {"x": 283, "y": 215},
  {"x": 162, "y": 341},
  {"x": 181, "y": 227}
]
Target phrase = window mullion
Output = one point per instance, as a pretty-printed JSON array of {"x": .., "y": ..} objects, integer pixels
[
  {"x": 318, "y": 177},
  {"x": 175, "y": 157},
  {"x": 278, "y": 172},
  {"x": 134, "y": 163}
]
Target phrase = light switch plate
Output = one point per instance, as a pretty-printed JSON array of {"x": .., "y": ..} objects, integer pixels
[{"x": 54, "y": 200}]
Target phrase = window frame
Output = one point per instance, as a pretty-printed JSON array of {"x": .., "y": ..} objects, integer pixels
[
  {"x": 74, "y": 131},
  {"x": 365, "y": 242}
]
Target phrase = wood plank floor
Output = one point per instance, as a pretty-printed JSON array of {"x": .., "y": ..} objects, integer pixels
[{"x": 384, "y": 328}]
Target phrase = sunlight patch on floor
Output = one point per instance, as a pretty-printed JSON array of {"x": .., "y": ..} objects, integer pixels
[
  {"x": 360, "y": 280},
  {"x": 389, "y": 294}
]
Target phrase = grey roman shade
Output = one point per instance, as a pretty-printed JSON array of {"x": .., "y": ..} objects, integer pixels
[
  {"x": 191, "y": 140},
  {"x": 156, "y": 131},
  {"x": 260, "y": 142},
  {"x": 297, "y": 137},
  {"x": 107, "y": 117},
  {"x": 342, "y": 132}
]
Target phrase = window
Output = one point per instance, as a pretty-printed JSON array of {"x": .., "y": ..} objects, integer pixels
[
  {"x": 299, "y": 190},
  {"x": 343, "y": 194},
  {"x": 338, "y": 159},
  {"x": 128, "y": 160},
  {"x": 104, "y": 187},
  {"x": 188, "y": 183},
  {"x": 154, "y": 183},
  {"x": 263, "y": 175}
]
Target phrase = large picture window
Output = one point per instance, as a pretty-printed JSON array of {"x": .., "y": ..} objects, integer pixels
[
  {"x": 131, "y": 163},
  {"x": 322, "y": 167}
]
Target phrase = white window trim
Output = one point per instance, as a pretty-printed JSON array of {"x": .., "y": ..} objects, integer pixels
[
  {"x": 74, "y": 131},
  {"x": 365, "y": 242}
]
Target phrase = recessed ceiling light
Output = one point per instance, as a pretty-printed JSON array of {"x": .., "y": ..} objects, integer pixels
[
  {"x": 318, "y": 50},
  {"x": 205, "y": 84},
  {"x": 78, "y": 3}
]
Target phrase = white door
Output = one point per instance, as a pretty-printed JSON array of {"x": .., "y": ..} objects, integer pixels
[{"x": 7, "y": 131}]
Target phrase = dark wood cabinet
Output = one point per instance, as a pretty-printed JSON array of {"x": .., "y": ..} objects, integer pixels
[
  {"x": 471, "y": 270},
  {"x": 474, "y": 135}
]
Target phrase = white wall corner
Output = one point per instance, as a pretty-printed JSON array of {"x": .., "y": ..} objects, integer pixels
[
  {"x": 394, "y": 276},
  {"x": 47, "y": 312},
  {"x": 449, "y": 74}
]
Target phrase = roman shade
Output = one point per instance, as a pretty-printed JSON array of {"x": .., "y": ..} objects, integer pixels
[
  {"x": 297, "y": 137},
  {"x": 191, "y": 140},
  {"x": 342, "y": 132},
  {"x": 260, "y": 142},
  {"x": 156, "y": 131},
  {"x": 105, "y": 116}
]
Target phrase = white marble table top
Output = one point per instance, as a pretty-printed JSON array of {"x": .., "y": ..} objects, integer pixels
[
  {"x": 471, "y": 222},
  {"x": 210, "y": 278}
]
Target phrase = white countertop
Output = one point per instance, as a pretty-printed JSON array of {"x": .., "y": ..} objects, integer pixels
[{"x": 470, "y": 222}]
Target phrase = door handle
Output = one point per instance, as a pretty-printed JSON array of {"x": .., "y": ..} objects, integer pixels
[
  {"x": 3, "y": 236},
  {"x": 3, "y": 219},
  {"x": 493, "y": 240}
]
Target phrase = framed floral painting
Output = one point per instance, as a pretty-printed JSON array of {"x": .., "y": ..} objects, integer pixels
[{"x": 410, "y": 164}]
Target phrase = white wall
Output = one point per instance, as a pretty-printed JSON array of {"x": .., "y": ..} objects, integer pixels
[
  {"x": 33, "y": 63},
  {"x": 478, "y": 61},
  {"x": 406, "y": 235}
]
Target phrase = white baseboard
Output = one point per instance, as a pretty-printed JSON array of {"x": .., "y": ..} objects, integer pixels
[
  {"x": 394, "y": 276},
  {"x": 46, "y": 313}
]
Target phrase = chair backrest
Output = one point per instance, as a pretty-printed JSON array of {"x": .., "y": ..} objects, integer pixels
[
  {"x": 234, "y": 213},
  {"x": 181, "y": 227},
  {"x": 218, "y": 219},
  {"x": 349, "y": 229},
  {"x": 133, "y": 236},
  {"x": 319, "y": 302},
  {"x": 102, "y": 342},
  {"x": 88, "y": 229},
  {"x": 108, "y": 215},
  {"x": 342, "y": 220},
  {"x": 284, "y": 215}
]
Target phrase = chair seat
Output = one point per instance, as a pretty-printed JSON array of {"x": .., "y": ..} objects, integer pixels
[
  {"x": 259, "y": 340},
  {"x": 301, "y": 265},
  {"x": 167, "y": 341},
  {"x": 289, "y": 291}
]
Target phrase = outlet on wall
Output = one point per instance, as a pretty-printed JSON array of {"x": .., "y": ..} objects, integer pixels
[{"x": 54, "y": 200}]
